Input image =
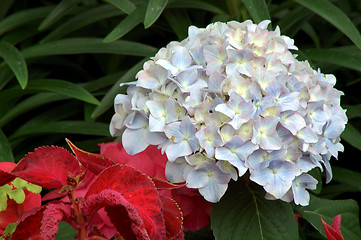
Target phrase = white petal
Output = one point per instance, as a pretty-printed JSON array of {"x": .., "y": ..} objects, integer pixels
[
  {"x": 156, "y": 124},
  {"x": 176, "y": 150},
  {"x": 133, "y": 141},
  {"x": 213, "y": 191}
]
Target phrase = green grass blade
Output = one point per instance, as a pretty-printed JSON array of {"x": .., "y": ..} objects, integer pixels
[
  {"x": 154, "y": 10},
  {"x": 88, "y": 45},
  {"x": 64, "y": 88},
  {"x": 257, "y": 9},
  {"x": 352, "y": 136},
  {"x": 127, "y": 24},
  {"x": 15, "y": 61},
  {"x": 335, "y": 16},
  {"x": 29, "y": 104},
  {"x": 5, "y": 5},
  {"x": 57, "y": 13},
  {"x": 353, "y": 111},
  {"x": 124, "y": 5},
  {"x": 108, "y": 99},
  {"x": 63, "y": 127},
  {"x": 81, "y": 20},
  {"x": 23, "y": 18},
  {"x": 335, "y": 56},
  {"x": 179, "y": 21},
  {"x": 6, "y": 154},
  {"x": 198, "y": 4}
]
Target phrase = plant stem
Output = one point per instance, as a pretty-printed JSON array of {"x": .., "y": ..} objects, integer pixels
[{"x": 79, "y": 216}]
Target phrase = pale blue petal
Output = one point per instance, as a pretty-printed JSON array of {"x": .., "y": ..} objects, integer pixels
[
  {"x": 156, "y": 124},
  {"x": 176, "y": 150},
  {"x": 167, "y": 65},
  {"x": 133, "y": 141},
  {"x": 172, "y": 132},
  {"x": 156, "y": 108},
  {"x": 181, "y": 58},
  {"x": 307, "y": 135},
  {"x": 223, "y": 153},
  {"x": 177, "y": 172},
  {"x": 213, "y": 191},
  {"x": 154, "y": 138},
  {"x": 273, "y": 142},
  {"x": 197, "y": 179}
]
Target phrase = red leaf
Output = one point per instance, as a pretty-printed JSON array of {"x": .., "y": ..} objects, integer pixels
[
  {"x": 196, "y": 210},
  {"x": 48, "y": 167},
  {"x": 29, "y": 225},
  {"x": 94, "y": 162},
  {"x": 53, "y": 215},
  {"x": 5, "y": 176},
  {"x": 42, "y": 223},
  {"x": 173, "y": 217},
  {"x": 333, "y": 232},
  {"x": 161, "y": 184},
  {"x": 138, "y": 190},
  {"x": 124, "y": 215}
]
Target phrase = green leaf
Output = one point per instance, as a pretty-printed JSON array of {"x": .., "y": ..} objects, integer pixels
[
  {"x": 154, "y": 10},
  {"x": 352, "y": 136},
  {"x": 179, "y": 21},
  {"x": 23, "y": 18},
  {"x": 6, "y": 154},
  {"x": 64, "y": 88},
  {"x": 16, "y": 62},
  {"x": 108, "y": 99},
  {"x": 81, "y": 20},
  {"x": 29, "y": 104},
  {"x": 198, "y": 4},
  {"x": 257, "y": 9},
  {"x": 124, "y": 5},
  {"x": 243, "y": 213},
  {"x": 348, "y": 177},
  {"x": 63, "y": 127},
  {"x": 127, "y": 24},
  {"x": 5, "y": 5},
  {"x": 57, "y": 13},
  {"x": 328, "y": 209},
  {"x": 65, "y": 231},
  {"x": 335, "y": 16},
  {"x": 88, "y": 45},
  {"x": 353, "y": 111},
  {"x": 335, "y": 56}
]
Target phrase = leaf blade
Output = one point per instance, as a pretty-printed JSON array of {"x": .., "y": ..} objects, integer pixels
[
  {"x": 124, "y": 5},
  {"x": 154, "y": 10},
  {"x": 6, "y": 154},
  {"x": 107, "y": 101},
  {"x": 15, "y": 61},
  {"x": 127, "y": 24},
  {"x": 57, "y": 13},
  {"x": 88, "y": 45},
  {"x": 63, "y": 127},
  {"x": 244, "y": 212},
  {"x": 257, "y": 9},
  {"x": 328, "y": 209},
  {"x": 352, "y": 136},
  {"x": 335, "y": 16},
  {"x": 64, "y": 88}
]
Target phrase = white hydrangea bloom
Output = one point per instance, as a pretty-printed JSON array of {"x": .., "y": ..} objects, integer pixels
[{"x": 232, "y": 98}]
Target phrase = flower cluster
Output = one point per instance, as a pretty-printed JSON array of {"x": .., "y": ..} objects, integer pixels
[{"x": 230, "y": 98}]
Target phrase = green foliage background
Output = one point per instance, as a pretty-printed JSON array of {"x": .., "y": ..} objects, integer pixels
[{"x": 61, "y": 63}]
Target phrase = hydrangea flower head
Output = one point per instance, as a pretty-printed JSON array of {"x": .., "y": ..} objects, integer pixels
[{"x": 232, "y": 98}]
